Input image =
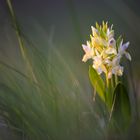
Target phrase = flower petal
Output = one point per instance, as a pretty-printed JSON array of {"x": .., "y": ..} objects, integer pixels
[
  {"x": 94, "y": 31},
  {"x": 111, "y": 50},
  {"x": 85, "y": 58},
  {"x": 109, "y": 75},
  {"x": 117, "y": 70},
  {"x": 128, "y": 56},
  {"x": 123, "y": 47},
  {"x": 86, "y": 48},
  {"x": 120, "y": 71}
]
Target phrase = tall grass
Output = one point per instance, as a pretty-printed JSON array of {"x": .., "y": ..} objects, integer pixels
[{"x": 46, "y": 100}]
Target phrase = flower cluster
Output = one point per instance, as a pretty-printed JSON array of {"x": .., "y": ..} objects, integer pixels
[{"x": 105, "y": 51}]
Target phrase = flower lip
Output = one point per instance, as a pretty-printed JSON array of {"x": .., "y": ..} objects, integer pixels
[{"x": 112, "y": 41}]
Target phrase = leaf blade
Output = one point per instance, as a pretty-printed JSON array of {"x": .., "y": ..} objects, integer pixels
[
  {"x": 122, "y": 108},
  {"x": 97, "y": 82}
]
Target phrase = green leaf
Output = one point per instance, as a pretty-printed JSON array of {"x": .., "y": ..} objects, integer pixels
[
  {"x": 97, "y": 82},
  {"x": 121, "y": 114}
]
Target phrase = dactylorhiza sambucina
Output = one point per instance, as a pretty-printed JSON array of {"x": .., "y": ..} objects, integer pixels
[{"x": 105, "y": 51}]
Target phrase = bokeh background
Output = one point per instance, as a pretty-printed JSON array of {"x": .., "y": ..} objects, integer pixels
[{"x": 67, "y": 25}]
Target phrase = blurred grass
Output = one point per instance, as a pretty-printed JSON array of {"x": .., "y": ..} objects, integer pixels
[{"x": 41, "y": 102}]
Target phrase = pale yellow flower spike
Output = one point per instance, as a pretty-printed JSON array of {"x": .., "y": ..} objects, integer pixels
[{"x": 103, "y": 50}]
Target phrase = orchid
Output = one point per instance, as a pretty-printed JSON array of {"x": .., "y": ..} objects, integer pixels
[
  {"x": 88, "y": 52},
  {"x": 104, "y": 51}
]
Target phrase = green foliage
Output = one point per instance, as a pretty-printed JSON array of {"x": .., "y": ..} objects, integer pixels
[
  {"x": 109, "y": 94},
  {"x": 121, "y": 114},
  {"x": 118, "y": 103},
  {"x": 53, "y": 108},
  {"x": 97, "y": 82},
  {"x": 45, "y": 100}
]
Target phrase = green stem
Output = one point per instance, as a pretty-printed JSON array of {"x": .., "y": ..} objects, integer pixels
[
  {"x": 110, "y": 116},
  {"x": 107, "y": 81},
  {"x": 112, "y": 84},
  {"x": 116, "y": 80}
]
